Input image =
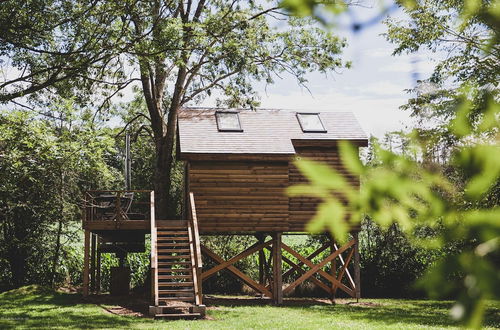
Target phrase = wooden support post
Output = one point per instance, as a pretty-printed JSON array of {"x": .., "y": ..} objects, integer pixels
[
  {"x": 333, "y": 270},
  {"x": 357, "y": 275},
  {"x": 277, "y": 270},
  {"x": 98, "y": 272},
  {"x": 262, "y": 260},
  {"x": 153, "y": 256},
  {"x": 86, "y": 257},
  {"x": 93, "y": 250}
]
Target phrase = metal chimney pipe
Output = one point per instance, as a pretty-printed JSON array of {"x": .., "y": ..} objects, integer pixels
[{"x": 128, "y": 163}]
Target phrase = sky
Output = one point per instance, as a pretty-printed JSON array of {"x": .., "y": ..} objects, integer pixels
[{"x": 373, "y": 89}]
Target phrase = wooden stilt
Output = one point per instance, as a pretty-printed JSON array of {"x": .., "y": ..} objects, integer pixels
[
  {"x": 357, "y": 278},
  {"x": 98, "y": 272},
  {"x": 86, "y": 257},
  {"x": 262, "y": 260},
  {"x": 277, "y": 270},
  {"x": 333, "y": 270},
  {"x": 93, "y": 250}
]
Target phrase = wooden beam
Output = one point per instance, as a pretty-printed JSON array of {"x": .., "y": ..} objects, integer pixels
[
  {"x": 317, "y": 269},
  {"x": 196, "y": 235},
  {"x": 93, "y": 250},
  {"x": 302, "y": 271},
  {"x": 261, "y": 259},
  {"x": 309, "y": 263},
  {"x": 154, "y": 259},
  {"x": 277, "y": 270},
  {"x": 351, "y": 281},
  {"x": 194, "y": 271},
  {"x": 333, "y": 269},
  {"x": 98, "y": 272},
  {"x": 239, "y": 274},
  {"x": 310, "y": 257},
  {"x": 86, "y": 257},
  {"x": 252, "y": 249},
  {"x": 357, "y": 276},
  {"x": 343, "y": 270}
]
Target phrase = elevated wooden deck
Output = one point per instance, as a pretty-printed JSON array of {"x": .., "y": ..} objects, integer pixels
[{"x": 117, "y": 210}]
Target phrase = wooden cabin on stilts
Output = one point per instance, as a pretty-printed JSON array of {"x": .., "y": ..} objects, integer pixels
[{"x": 238, "y": 164}]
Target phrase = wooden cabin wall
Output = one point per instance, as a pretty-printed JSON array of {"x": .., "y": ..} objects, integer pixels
[
  {"x": 302, "y": 209},
  {"x": 240, "y": 196}
]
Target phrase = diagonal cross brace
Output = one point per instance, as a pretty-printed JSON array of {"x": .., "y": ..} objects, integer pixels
[
  {"x": 302, "y": 271},
  {"x": 310, "y": 257},
  {"x": 344, "y": 269},
  {"x": 224, "y": 264},
  {"x": 351, "y": 281},
  {"x": 317, "y": 268},
  {"x": 251, "y": 283}
]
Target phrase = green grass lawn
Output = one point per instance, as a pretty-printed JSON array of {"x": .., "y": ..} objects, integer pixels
[{"x": 32, "y": 307}]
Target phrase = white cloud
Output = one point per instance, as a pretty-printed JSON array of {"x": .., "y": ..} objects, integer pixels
[
  {"x": 376, "y": 115},
  {"x": 378, "y": 89},
  {"x": 409, "y": 64}
]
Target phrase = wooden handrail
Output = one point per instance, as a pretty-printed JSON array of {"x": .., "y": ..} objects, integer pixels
[
  {"x": 194, "y": 222},
  {"x": 110, "y": 191},
  {"x": 194, "y": 269},
  {"x": 196, "y": 247},
  {"x": 154, "y": 260}
]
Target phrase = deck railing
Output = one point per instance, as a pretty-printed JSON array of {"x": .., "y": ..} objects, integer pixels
[{"x": 116, "y": 205}]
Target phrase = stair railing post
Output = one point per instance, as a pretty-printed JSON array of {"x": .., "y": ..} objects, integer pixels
[
  {"x": 197, "y": 246},
  {"x": 154, "y": 261}
]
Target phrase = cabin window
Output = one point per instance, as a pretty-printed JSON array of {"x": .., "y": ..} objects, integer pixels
[
  {"x": 311, "y": 123},
  {"x": 228, "y": 121}
]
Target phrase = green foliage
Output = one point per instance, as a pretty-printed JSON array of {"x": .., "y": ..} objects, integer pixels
[
  {"x": 404, "y": 191},
  {"x": 44, "y": 168},
  {"x": 460, "y": 195}
]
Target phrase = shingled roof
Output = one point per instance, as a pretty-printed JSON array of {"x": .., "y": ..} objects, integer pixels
[{"x": 264, "y": 131}]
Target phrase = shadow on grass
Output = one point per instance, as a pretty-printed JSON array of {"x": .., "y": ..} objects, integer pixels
[
  {"x": 35, "y": 307},
  {"x": 390, "y": 312}
]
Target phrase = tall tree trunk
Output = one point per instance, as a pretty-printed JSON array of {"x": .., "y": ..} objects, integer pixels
[
  {"x": 162, "y": 184},
  {"x": 165, "y": 151}
]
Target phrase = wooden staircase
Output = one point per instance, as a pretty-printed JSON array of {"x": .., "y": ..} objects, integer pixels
[{"x": 176, "y": 268}]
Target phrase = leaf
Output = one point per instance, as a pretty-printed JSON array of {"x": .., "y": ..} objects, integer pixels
[
  {"x": 330, "y": 215},
  {"x": 320, "y": 175},
  {"x": 350, "y": 157}
]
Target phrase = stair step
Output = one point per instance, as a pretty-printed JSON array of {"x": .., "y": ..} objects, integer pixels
[
  {"x": 175, "y": 294},
  {"x": 176, "y": 298},
  {"x": 172, "y": 238},
  {"x": 182, "y": 256},
  {"x": 168, "y": 277},
  {"x": 175, "y": 284},
  {"x": 172, "y": 250},
  {"x": 171, "y": 232},
  {"x": 180, "y": 315},
  {"x": 176, "y": 291},
  {"x": 172, "y": 263},
  {"x": 174, "y": 270},
  {"x": 173, "y": 244}
]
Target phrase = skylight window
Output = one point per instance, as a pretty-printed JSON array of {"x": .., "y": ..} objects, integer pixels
[
  {"x": 311, "y": 123},
  {"x": 228, "y": 121}
]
